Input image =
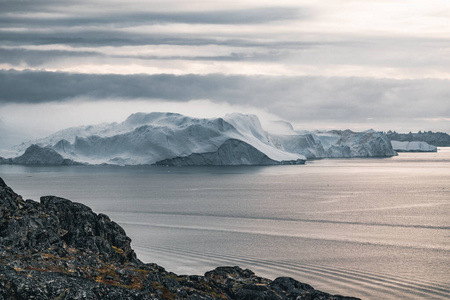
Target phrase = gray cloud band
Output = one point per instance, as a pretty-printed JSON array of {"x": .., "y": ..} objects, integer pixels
[
  {"x": 293, "y": 98},
  {"x": 33, "y": 58},
  {"x": 242, "y": 16},
  {"x": 117, "y": 38}
]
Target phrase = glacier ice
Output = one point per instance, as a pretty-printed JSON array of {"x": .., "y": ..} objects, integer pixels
[
  {"x": 175, "y": 139},
  {"x": 414, "y": 146},
  {"x": 336, "y": 144}
]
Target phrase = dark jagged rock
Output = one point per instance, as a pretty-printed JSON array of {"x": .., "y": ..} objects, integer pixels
[
  {"x": 5, "y": 161},
  {"x": 35, "y": 284},
  {"x": 35, "y": 155},
  {"x": 59, "y": 249}
]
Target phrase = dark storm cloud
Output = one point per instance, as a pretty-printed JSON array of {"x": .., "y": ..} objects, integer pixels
[
  {"x": 292, "y": 98},
  {"x": 129, "y": 18}
]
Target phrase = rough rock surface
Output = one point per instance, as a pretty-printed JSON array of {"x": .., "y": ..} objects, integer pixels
[
  {"x": 59, "y": 249},
  {"x": 232, "y": 152}
]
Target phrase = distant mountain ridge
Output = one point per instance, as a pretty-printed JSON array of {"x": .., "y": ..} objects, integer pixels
[
  {"x": 173, "y": 139},
  {"x": 440, "y": 139}
]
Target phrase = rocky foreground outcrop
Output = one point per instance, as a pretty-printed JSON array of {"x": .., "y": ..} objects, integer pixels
[{"x": 59, "y": 249}]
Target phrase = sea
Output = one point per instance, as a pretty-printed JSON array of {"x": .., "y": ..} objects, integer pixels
[{"x": 373, "y": 228}]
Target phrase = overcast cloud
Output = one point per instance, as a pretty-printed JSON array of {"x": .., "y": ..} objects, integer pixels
[{"x": 327, "y": 64}]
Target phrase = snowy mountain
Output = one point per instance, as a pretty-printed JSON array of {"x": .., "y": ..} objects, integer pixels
[
  {"x": 174, "y": 139},
  {"x": 414, "y": 146}
]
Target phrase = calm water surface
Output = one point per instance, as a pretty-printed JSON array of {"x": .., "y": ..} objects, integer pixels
[{"x": 371, "y": 228}]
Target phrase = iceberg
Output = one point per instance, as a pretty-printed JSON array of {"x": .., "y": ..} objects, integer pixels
[
  {"x": 152, "y": 138},
  {"x": 336, "y": 144},
  {"x": 162, "y": 138},
  {"x": 369, "y": 143},
  {"x": 414, "y": 146}
]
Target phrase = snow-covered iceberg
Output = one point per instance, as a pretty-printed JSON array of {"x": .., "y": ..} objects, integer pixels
[
  {"x": 336, "y": 144},
  {"x": 346, "y": 143},
  {"x": 155, "y": 137},
  {"x": 414, "y": 146},
  {"x": 174, "y": 139}
]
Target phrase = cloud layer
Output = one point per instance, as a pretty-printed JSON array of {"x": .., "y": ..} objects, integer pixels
[
  {"x": 336, "y": 64},
  {"x": 293, "y": 98}
]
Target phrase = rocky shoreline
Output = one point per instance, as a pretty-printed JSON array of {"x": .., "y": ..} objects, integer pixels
[{"x": 59, "y": 249}]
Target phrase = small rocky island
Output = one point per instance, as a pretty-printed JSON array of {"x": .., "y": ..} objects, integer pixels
[{"x": 59, "y": 249}]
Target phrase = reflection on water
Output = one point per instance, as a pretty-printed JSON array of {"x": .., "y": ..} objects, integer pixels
[{"x": 373, "y": 228}]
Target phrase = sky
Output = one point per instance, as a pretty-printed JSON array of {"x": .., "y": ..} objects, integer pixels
[{"x": 334, "y": 64}]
